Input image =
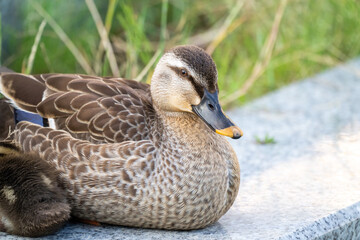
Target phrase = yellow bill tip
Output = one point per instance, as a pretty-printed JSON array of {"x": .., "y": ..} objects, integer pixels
[{"x": 233, "y": 132}]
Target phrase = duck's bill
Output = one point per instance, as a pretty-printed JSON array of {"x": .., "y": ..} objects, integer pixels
[{"x": 209, "y": 110}]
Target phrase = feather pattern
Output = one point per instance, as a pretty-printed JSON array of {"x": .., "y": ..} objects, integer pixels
[
  {"x": 91, "y": 108},
  {"x": 136, "y": 183}
]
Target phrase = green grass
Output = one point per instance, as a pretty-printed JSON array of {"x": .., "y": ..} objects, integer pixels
[
  {"x": 258, "y": 46},
  {"x": 265, "y": 140}
]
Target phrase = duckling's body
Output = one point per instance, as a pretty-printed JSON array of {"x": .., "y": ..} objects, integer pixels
[
  {"x": 31, "y": 202},
  {"x": 134, "y": 155}
]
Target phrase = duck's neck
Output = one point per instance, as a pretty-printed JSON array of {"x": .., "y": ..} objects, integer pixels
[{"x": 186, "y": 129}]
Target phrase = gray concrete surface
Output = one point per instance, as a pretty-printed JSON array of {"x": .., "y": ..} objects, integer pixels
[{"x": 304, "y": 186}]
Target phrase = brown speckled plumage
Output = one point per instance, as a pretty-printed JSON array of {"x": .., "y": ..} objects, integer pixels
[{"x": 131, "y": 157}]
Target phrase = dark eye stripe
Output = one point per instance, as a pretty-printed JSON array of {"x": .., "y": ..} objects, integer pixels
[{"x": 198, "y": 88}]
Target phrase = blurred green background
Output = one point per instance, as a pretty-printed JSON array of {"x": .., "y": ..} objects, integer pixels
[{"x": 258, "y": 46}]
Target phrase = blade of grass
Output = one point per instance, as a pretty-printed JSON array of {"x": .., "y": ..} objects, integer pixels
[
  {"x": 160, "y": 50},
  {"x": 137, "y": 46},
  {"x": 264, "y": 58},
  {"x": 205, "y": 38},
  {"x": 64, "y": 38},
  {"x": 148, "y": 66},
  {"x": 34, "y": 47},
  {"x": 164, "y": 13},
  {"x": 108, "y": 23},
  {"x": 46, "y": 57},
  {"x": 104, "y": 37},
  {"x": 221, "y": 35},
  {"x": 110, "y": 14}
]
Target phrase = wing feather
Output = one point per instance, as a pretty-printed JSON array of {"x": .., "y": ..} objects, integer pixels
[
  {"x": 63, "y": 102},
  {"x": 80, "y": 100},
  {"x": 88, "y": 111},
  {"x": 59, "y": 83},
  {"x": 88, "y": 107},
  {"x": 23, "y": 89},
  {"x": 101, "y": 89},
  {"x": 47, "y": 107}
]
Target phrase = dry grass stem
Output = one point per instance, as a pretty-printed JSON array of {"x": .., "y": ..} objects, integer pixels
[
  {"x": 205, "y": 38},
  {"x": 223, "y": 31},
  {"x": 163, "y": 24},
  {"x": 64, "y": 38},
  {"x": 149, "y": 65},
  {"x": 46, "y": 57},
  {"x": 104, "y": 37},
  {"x": 108, "y": 23},
  {"x": 34, "y": 47},
  {"x": 264, "y": 58}
]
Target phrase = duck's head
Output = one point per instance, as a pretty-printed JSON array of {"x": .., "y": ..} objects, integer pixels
[{"x": 185, "y": 80}]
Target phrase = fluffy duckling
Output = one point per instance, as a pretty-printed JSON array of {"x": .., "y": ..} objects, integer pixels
[{"x": 31, "y": 202}]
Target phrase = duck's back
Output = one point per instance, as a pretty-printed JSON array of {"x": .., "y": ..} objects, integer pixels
[{"x": 90, "y": 108}]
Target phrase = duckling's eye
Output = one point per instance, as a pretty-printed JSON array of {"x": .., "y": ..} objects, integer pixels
[{"x": 184, "y": 72}]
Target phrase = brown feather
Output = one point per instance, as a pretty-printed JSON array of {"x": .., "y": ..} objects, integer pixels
[
  {"x": 59, "y": 82},
  {"x": 93, "y": 130},
  {"x": 75, "y": 126},
  {"x": 88, "y": 111},
  {"x": 81, "y": 100},
  {"x": 22, "y": 89},
  {"x": 40, "y": 77},
  {"x": 48, "y": 109},
  {"x": 80, "y": 85},
  {"x": 107, "y": 102},
  {"x": 31, "y": 109},
  {"x": 63, "y": 102},
  {"x": 87, "y": 76},
  {"x": 99, "y": 121},
  {"x": 101, "y": 88}
]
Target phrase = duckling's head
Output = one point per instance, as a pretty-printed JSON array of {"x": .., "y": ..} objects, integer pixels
[{"x": 185, "y": 80}]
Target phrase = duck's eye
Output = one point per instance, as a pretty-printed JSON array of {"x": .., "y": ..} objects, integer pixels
[{"x": 183, "y": 72}]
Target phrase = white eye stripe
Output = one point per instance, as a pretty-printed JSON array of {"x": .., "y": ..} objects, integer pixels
[{"x": 173, "y": 61}]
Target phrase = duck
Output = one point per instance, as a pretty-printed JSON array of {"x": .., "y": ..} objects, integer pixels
[
  {"x": 32, "y": 203},
  {"x": 130, "y": 153}
]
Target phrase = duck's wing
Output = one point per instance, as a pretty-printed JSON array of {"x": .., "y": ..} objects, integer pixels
[{"x": 90, "y": 108}]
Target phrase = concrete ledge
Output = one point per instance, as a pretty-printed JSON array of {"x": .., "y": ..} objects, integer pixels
[
  {"x": 344, "y": 224},
  {"x": 304, "y": 186}
]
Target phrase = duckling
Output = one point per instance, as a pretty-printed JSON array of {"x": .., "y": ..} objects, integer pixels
[
  {"x": 31, "y": 202},
  {"x": 134, "y": 154}
]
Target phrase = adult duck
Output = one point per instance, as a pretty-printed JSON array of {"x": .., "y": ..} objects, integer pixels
[{"x": 133, "y": 154}]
